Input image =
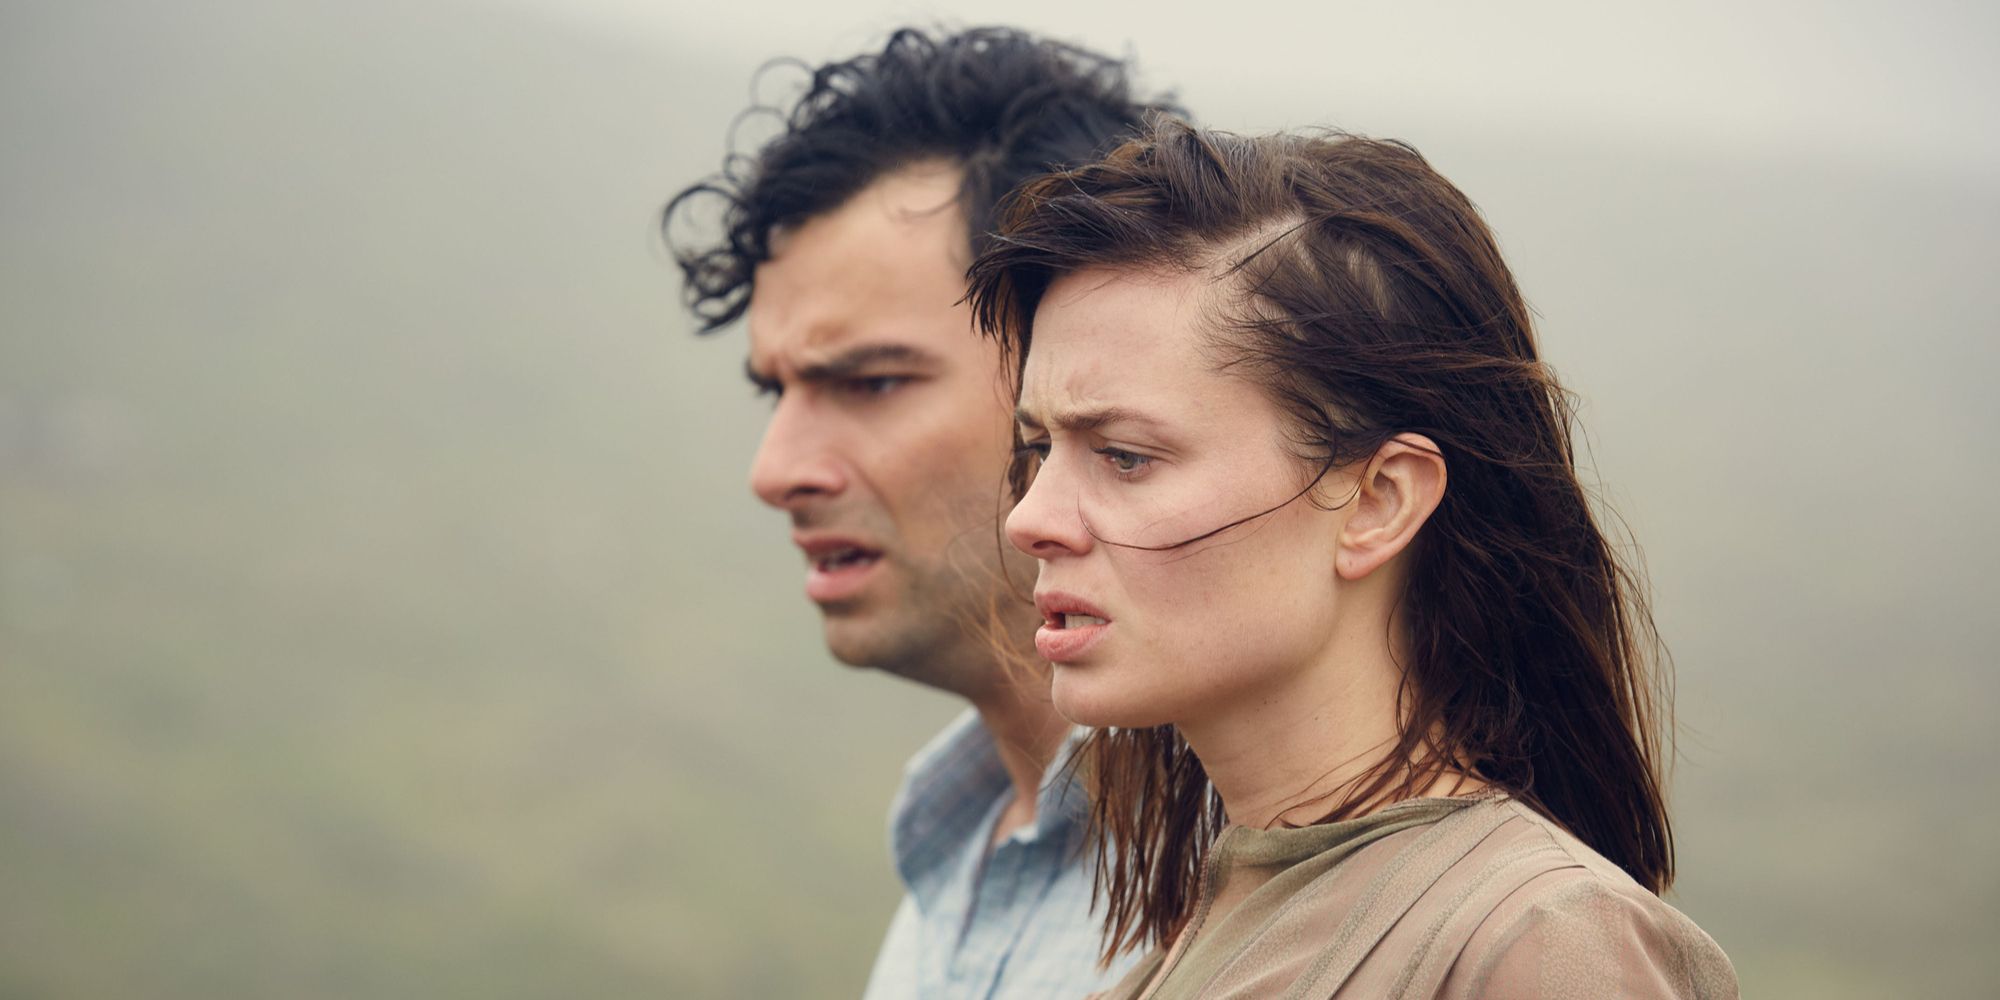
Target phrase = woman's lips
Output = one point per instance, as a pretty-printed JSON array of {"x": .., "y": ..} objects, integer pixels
[
  {"x": 1070, "y": 626},
  {"x": 1068, "y": 644}
]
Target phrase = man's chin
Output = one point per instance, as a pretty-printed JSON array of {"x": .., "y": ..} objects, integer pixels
[
  {"x": 881, "y": 641},
  {"x": 854, "y": 636}
]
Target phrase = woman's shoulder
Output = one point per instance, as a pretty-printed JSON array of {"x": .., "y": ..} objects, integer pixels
[
  {"x": 1489, "y": 899},
  {"x": 1542, "y": 914}
]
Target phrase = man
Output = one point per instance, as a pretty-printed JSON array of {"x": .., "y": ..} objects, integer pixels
[{"x": 847, "y": 240}]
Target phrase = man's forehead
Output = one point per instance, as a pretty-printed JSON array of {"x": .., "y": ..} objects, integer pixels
[
  {"x": 819, "y": 325},
  {"x": 887, "y": 264},
  {"x": 915, "y": 206}
]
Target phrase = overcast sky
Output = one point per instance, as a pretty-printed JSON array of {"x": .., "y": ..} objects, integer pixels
[{"x": 1906, "y": 84}]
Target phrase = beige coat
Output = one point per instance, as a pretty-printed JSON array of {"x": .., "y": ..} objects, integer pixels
[{"x": 1457, "y": 898}]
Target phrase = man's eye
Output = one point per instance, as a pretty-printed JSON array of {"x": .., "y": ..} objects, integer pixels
[
  {"x": 876, "y": 385},
  {"x": 1036, "y": 449},
  {"x": 768, "y": 390}
]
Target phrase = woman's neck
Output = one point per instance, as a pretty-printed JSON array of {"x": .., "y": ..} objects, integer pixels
[
  {"x": 1293, "y": 755},
  {"x": 1290, "y": 760}
]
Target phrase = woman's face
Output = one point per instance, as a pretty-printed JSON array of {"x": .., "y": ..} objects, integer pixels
[{"x": 1147, "y": 444}]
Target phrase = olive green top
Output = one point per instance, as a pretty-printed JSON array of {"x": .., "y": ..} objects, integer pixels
[{"x": 1440, "y": 897}]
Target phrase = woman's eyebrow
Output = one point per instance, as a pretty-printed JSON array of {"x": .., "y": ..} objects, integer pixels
[{"x": 1084, "y": 419}]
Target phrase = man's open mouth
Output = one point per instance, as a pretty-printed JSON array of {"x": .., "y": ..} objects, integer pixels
[{"x": 844, "y": 558}]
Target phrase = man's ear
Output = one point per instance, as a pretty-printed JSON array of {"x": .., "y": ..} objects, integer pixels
[{"x": 1401, "y": 484}]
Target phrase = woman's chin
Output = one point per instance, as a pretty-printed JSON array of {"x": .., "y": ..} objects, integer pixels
[{"x": 1088, "y": 702}]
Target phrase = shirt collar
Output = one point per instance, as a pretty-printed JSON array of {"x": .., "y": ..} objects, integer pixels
[{"x": 952, "y": 789}]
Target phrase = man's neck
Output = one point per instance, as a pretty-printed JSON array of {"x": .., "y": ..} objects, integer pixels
[{"x": 1027, "y": 733}]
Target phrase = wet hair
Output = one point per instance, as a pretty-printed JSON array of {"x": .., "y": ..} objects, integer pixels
[
  {"x": 1366, "y": 296},
  {"x": 1001, "y": 104}
]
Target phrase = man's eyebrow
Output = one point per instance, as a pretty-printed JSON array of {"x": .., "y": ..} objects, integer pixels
[
  {"x": 857, "y": 359},
  {"x": 846, "y": 364},
  {"x": 1083, "y": 420}
]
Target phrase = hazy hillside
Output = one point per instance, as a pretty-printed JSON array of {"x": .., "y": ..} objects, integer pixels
[
  {"x": 382, "y": 611},
  {"x": 373, "y": 623}
]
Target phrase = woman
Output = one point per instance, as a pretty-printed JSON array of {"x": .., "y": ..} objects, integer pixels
[{"x": 1376, "y": 704}]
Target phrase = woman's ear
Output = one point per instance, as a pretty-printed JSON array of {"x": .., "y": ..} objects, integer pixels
[{"x": 1401, "y": 484}]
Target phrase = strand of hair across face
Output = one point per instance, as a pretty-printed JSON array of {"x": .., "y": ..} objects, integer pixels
[{"x": 1204, "y": 536}]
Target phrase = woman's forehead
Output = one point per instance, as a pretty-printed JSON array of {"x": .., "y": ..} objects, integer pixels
[{"x": 1126, "y": 344}]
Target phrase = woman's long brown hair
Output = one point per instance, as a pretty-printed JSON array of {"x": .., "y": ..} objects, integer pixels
[{"x": 1371, "y": 300}]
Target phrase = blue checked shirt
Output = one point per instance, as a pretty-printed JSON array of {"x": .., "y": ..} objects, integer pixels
[{"x": 1015, "y": 923}]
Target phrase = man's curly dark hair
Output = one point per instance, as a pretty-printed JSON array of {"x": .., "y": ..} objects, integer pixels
[{"x": 1000, "y": 103}]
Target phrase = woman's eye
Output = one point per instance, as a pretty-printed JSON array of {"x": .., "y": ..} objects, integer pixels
[{"x": 1123, "y": 461}]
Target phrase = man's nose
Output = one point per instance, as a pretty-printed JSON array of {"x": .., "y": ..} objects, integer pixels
[{"x": 795, "y": 462}]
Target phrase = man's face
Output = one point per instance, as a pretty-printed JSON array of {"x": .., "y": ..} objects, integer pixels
[{"x": 891, "y": 427}]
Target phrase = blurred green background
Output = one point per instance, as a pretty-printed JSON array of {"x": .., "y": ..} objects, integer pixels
[{"x": 383, "y": 612}]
